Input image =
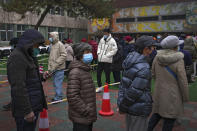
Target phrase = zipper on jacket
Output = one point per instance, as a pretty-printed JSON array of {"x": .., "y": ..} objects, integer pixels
[{"x": 103, "y": 51}]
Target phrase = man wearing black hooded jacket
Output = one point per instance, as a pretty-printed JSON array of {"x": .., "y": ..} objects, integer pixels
[{"x": 27, "y": 93}]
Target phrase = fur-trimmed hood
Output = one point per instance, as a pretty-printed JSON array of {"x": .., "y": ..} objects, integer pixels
[{"x": 168, "y": 57}]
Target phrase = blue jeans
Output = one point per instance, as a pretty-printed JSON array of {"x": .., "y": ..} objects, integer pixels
[
  {"x": 58, "y": 78},
  {"x": 23, "y": 125}
]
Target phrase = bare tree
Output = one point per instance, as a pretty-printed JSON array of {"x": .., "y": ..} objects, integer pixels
[{"x": 75, "y": 8}]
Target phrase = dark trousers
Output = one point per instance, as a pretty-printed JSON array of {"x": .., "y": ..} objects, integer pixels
[
  {"x": 116, "y": 75},
  {"x": 106, "y": 67},
  {"x": 23, "y": 125},
  {"x": 67, "y": 65},
  {"x": 82, "y": 127},
  {"x": 94, "y": 62},
  {"x": 167, "y": 125}
]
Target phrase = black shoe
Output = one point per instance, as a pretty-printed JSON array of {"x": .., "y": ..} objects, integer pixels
[
  {"x": 53, "y": 100},
  {"x": 7, "y": 107}
]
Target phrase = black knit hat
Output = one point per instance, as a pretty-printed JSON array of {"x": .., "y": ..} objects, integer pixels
[
  {"x": 79, "y": 49},
  {"x": 106, "y": 30},
  {"x": 144, "y": 41}
]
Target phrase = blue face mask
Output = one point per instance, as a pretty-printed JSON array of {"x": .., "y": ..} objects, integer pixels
[
  {"x": 105, "y": 36},
  {"x": 36, "y": 51},
  {"x": 51, "y": 40},
  {"x": 87, "y": 58},
  {"x": 12, "y": 47},
  {"x": 179, "y": 48},
  {"x": 158, "y": 37}
]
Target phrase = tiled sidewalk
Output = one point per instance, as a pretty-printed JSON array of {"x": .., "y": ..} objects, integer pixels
[{"x": 59, "y": 118}]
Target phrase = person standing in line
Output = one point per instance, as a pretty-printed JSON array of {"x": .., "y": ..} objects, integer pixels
[
  {"x": 84, "y": 40},
  {"x": 70, "y": 54},
  {"x": 128, "y": 45},
  {"x": 27, "y": 93},
  {"x": 107, "y": 48},
  {"x": 116, "y": 66},
  {"x": 81, "y": 93},
  {"x": 134, "y": 96},
  {"x": 56, "y": 64},
  {"x": 171, "y": 87}
]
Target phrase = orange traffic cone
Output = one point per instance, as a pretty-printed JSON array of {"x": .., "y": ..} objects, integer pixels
[
  {"x": 44, "y": 121},
  {"x": 106, "y": 108}
]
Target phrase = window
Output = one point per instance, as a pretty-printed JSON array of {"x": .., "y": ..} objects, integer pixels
[
  {"x": 52, "y": 11},
  {"x": 6, "y": 32},
  {"x": 61, "y": 33},
  {"x": 121, "y": 20},
  {"x": 152, "y": 18},
  {"x": 21, "y": 29},
  {"x": 56, "y": 11},
  {"x": 5, "y": 1},
  {"x": 174, "y": 17}
]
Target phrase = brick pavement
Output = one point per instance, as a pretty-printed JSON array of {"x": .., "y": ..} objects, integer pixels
[{"x": 59, "y": 118}]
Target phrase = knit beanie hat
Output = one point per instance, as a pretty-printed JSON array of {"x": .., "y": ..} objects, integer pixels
[{"x": 79, "y": 49}]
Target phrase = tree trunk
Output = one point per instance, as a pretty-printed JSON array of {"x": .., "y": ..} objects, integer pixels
[{"x": 42, "y": 16}]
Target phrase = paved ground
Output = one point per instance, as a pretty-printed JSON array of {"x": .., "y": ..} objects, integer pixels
[{"x": 59, "y": 118}]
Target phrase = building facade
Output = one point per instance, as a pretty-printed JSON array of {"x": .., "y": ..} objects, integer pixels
[
  {"x": 152, "y": 17},
  {"x": 11, "y": 25}
]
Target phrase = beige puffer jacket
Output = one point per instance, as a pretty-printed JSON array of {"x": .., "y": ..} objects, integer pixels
[
  {"x": 58, "y": 54},
  {"x": 70, "y": 53}
]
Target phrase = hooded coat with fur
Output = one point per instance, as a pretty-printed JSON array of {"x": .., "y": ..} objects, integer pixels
[
  {"x": 58, "y": 54},
  {"x": 170, "y": 93}
]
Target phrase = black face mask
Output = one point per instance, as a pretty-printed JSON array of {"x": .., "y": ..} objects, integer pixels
[{"x": 30, "y": 51}]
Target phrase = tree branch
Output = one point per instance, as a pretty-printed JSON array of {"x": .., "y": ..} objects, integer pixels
[{"x": 43, "y": 16}]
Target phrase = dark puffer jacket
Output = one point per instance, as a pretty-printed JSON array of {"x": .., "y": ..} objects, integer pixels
[
  {"x": 117, "y": 59},
  {"x": 81, "y": 94},
  {"x": 134, "y": 95},
  {"x": 23, "y": 75}
]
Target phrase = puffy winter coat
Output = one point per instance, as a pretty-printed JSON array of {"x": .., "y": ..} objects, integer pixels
[
  {"x": 23, "y": 75},
  {"x": 170, "y": 93},
  {"x": 106, "y": 49},
  {"x": 134, "y": 95},
  {"x": 81, "y": 94},
  {"x": 69, "y": 51},
  {"x": 57, "y": 55},
  {"x": 117, "y": 59},
  {"x": 128, "y": 47}
]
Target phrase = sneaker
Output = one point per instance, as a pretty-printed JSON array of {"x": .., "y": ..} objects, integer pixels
[
  {"x": 53, "y": 100},
  {"x": 99, "y": 90}
]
